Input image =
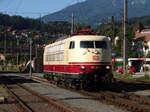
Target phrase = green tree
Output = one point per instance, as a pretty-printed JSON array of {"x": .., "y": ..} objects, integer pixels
[
  {"x": 106, "y": 30},
  {"x": 79, "y": 26}
]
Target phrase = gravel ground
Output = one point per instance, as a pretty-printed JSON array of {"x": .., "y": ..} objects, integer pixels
[
  {"x": 145, "y": 92},
  {"x": 10, "y": 105},
  {"x": 71, "y": 99}
]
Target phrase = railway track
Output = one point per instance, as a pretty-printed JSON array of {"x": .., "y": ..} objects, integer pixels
[
  {"x": 125, "y": 101},
  {"x": 31, "y": 101},
  {"x": 122, "y": 99},
  {"x": 134, "y": 81},
  {"x": 130, "y": 85},
  {"x": 24, "y": 106}
]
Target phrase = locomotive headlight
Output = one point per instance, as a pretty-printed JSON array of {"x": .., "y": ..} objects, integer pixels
[
  {"x": 107, "y": 67},
  {"x": 83, "y": 67}
]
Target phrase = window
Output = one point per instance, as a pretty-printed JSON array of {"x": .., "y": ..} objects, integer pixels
[
  {"x": 72, "y": 45},
  {"x": 56, "y": 48},
  {"x": 93, "y": 44},
  {"x": 86, "y": 44},
  {"x": 100, "y": 44}
]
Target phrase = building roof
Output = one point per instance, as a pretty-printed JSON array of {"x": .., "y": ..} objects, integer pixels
[
  {"x": 146, "y": 30},
  {"x": 143, "y": 35}
]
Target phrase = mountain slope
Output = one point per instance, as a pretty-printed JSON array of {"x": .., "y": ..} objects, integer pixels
[{"x": 98, "y": 11}]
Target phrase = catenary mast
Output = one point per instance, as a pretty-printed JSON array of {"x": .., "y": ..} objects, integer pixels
[{"x": 125, "y": 43}]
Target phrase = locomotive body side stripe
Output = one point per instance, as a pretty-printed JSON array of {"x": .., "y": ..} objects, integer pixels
[
  {"x": 75, "y": 68},
  {"x": 90, "y": 63}
]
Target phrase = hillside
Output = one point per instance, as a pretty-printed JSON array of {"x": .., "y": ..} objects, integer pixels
[
  {"x": 98, "y": 11},
  {"x": 20, "y": 23}
]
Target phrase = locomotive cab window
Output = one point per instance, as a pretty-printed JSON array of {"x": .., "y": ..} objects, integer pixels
[
  {"x": 100, "y": 44},
  {"x": 93, "y": 44},
  {"x": 72, "y": 45},
  {"x": 86, "y": 44}
]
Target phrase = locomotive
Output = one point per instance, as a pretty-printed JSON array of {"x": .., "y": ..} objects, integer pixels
[{"x": 82, "y": 60}]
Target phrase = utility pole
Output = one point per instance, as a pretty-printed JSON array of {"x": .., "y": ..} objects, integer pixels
[
  {"x": 112, "y": 39},
  {"x": 17, "y": 37},
  {"x": 113, "y": 32},
  {"x": 5, "y": 43},
  {"x": 125, "y": 42},
  {"x": 36, "y": 51},
  {"x": 5, "y": 47},
  {"x": 30, "y": 57},
  {"x": 72, "y": 25}
]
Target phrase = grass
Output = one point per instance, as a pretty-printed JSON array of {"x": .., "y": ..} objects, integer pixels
[
  {"x": 3, "y": 90},
  {"x": 145, "y": 77},
  {"x": 10, "y": 68},
  {"x": 130, "y": 77},
  {"x": 13, "y": 68},
  {"x": 127, "y": 76}
]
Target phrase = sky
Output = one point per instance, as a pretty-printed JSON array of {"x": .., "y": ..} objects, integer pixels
[{"x": 33, "y": 8}]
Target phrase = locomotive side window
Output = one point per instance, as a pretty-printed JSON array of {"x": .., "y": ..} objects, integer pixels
[
  {"x": 93, "y": 44},
  {"x": 72, "y": 45},
  {"x": 100, "y": 44},
  {"x": 87, "y": 44}
]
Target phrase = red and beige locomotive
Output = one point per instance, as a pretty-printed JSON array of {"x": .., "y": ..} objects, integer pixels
[{"x": 83, "y": 59}]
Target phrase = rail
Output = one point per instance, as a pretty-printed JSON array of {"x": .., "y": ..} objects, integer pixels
[{"x": 23, "y": 104}]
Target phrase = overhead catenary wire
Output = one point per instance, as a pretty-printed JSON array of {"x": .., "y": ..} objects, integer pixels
[
  {"x": 18, "y": 5},
  {"x": 80, "y": 11},
  {"x": 6, "y": 3},
  {"x": 12, "y": 7}
]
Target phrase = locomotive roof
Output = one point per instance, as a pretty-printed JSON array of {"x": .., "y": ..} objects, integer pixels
[
  {"x": 81, "y": 32},
  {"x": 88, "y": 37},
  {"x": 79, "y": 37}
]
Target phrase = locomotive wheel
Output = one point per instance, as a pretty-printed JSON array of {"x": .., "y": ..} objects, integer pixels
[
  {"x": 87, "y": 85},
  {"x": 109, "y": 78},
  {"x": 66, "y": 83}
]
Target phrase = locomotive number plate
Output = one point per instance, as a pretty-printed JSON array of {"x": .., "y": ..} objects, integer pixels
[{"x": 95, "y": 57}]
